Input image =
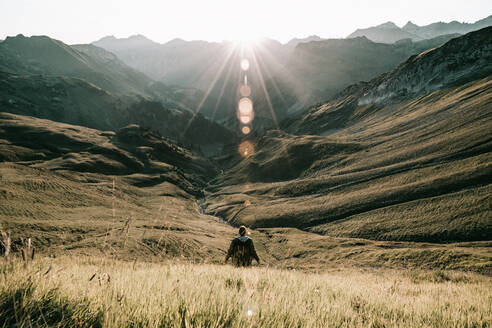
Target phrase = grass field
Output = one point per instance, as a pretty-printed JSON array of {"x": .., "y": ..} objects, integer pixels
[{"x": 98, "y": 292}]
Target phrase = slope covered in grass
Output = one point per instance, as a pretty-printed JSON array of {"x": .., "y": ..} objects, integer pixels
[
  {"x": 133, "y": 194},
  {"x": 417, "y": 171},
  {"x": 405, "y": 157},
  {"x": 72, "y": 188}
]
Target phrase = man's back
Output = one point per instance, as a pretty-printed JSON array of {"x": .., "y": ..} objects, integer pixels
[{"x": 242, "y": 251}]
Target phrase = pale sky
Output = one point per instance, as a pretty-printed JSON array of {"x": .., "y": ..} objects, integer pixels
[{"x": 84, "y": 21}]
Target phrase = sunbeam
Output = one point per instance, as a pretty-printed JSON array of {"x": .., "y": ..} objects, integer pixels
[
  {"x": 222, "y": 90},
  {"x": 263, "y": 86},
  {"x": 270, "y": 76},
  {"x": 208, "y": 91}
]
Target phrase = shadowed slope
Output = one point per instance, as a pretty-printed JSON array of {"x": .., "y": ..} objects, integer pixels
[{"x": 87, "y": 85}]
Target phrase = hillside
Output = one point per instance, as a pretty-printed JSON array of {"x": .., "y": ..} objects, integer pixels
[
  {"x": 413, "y": 168},
  {"x": 79, "y": 190},
  {"x": 326, "y": 67},
  {"x": 390, "y": 33},
  {"x": 41, "y": 55},
  {"x": 133, "y": 195},
  {"x": 89, "y": 86}
]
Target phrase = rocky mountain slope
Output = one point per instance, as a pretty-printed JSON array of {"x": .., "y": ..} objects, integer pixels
[
  {"x": 389, "y": 32},
  {"x": 326, "y": 67},
  {"x": 455, "y": 63}
]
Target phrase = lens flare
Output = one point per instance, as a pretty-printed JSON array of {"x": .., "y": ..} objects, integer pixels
[
  {"x": 245, "y": 91},
  {"x": 246, "y": 119},
  {"x": 246, "y": 148},
  {"x": 245, "y": 106},
  {"x": 244, "y": 64},
  {"x": 245, "y": 130}
]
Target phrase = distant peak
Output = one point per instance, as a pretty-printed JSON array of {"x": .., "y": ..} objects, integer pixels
[
  {"x": 35, "y": 38},
  {"x": 388, "y": 25},
  {"x": 410, "y": 25},
  {"x": 361, "y": 38},
  {"x": 139, "y": 37},
  {"x": 14, "y": 38},
  {"x": 135, "y": 38},
  {"x": 107, "y": 38},
  {"x": 176, "y": 40}
]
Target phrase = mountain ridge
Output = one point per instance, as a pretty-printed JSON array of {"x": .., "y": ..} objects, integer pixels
[
  {"x": 389, "y": 32},
  {"x": 85, "y": 84}
]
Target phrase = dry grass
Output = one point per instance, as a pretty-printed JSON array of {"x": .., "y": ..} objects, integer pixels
[
  {"x": 67, "y": 213},
  {"x": 76, "y": 213},
  {"x": 98, "y": 292}
]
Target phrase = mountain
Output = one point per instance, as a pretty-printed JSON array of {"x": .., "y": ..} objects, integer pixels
[
  {"x": 390, "y": 33},
  {"x": 326, "y": 67},
  {"x": 441, "y": 28},
  {"x": 175, "y": 62},
  {"x": 284, "y": 78},
  {"x": 209, "y": 66},
  {"x": 87, "y": 85},
  {"x": 384, "y": 33},
  {"x": 295, "y": 41},
  {"x": 404, "y": 157},
  {"x": 41, "y": 55}
]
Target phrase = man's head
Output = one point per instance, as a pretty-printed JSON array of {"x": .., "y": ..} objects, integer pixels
[{"x": 242, "y": 230}]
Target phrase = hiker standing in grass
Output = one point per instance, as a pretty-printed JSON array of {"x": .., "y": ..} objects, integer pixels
[{"x": 242, "y": 250}]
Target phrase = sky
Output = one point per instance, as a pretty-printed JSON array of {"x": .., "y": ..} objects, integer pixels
[{"x": 85, "y": 21}]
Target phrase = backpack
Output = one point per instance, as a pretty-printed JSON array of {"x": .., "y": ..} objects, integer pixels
[{"x": 241, "y": 255}]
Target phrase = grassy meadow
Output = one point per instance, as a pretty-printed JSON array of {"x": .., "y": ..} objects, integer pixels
[{"x": 100, "y": 292}]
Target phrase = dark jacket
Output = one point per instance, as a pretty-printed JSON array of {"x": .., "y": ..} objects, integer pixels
[{"x": 242, "y": 250}]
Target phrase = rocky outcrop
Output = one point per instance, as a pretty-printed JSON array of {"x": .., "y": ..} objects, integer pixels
[{"x": 460, "y": 60}]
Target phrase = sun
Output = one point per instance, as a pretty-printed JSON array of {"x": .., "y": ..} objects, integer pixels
[{"x": 247, "y": 42}]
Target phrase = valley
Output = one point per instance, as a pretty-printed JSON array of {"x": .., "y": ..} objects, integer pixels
[
  {"x": 403, "y": 179},
  {"x": 364, "y": 181}
]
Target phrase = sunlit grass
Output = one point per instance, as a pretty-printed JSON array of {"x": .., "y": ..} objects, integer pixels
[{"x": 99, "y": 292}]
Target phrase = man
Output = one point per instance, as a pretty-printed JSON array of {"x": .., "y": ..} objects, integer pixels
[{"x": 242, "y": 250}]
